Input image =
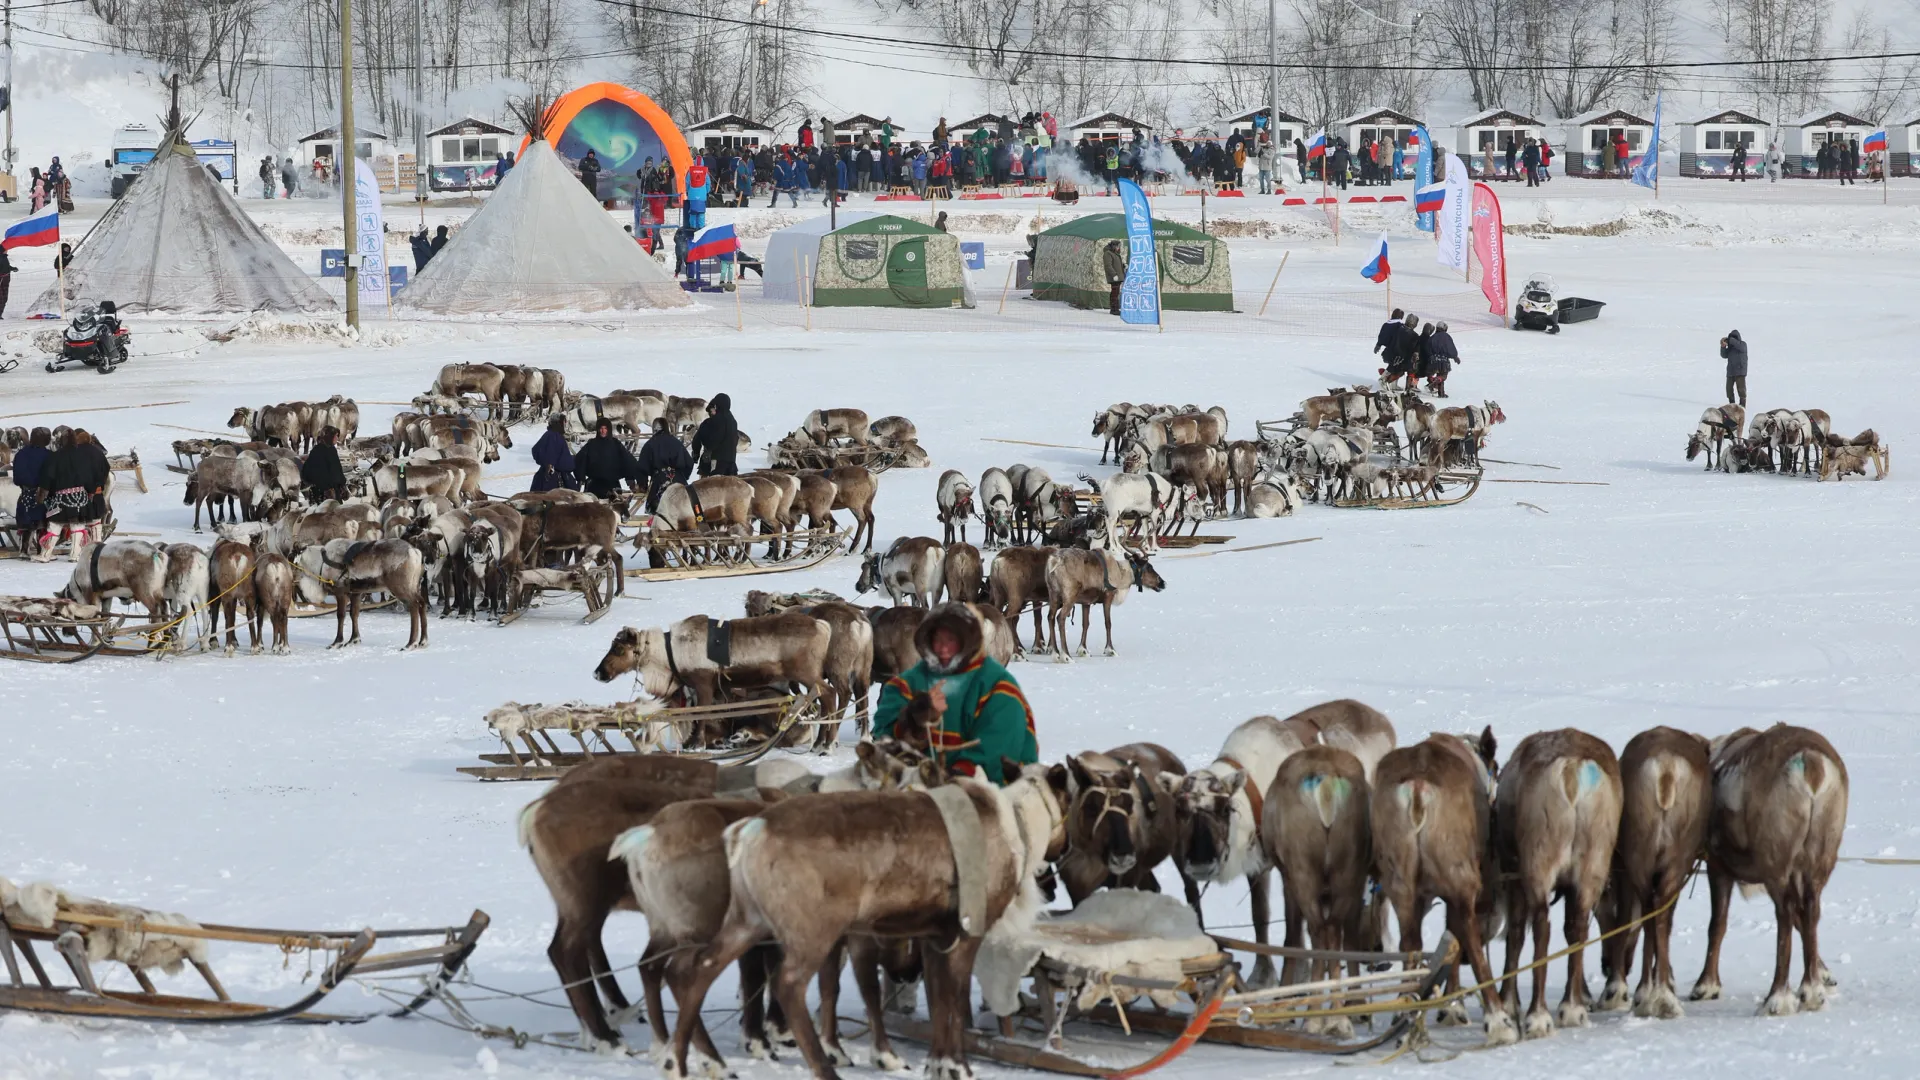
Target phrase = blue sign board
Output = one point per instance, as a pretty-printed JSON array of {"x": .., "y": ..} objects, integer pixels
[
  {"x": 333, "y": 262},
  {"x": 974, "y": 254}
]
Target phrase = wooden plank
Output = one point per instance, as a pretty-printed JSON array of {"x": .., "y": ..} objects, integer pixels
[{"x": 92, "y": 409}]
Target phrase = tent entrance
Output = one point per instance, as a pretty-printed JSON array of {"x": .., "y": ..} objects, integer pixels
[{"x": 907, "y": 271}]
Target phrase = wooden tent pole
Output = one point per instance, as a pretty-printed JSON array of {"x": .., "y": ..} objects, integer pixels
[{"x": 1276, "y": 281}]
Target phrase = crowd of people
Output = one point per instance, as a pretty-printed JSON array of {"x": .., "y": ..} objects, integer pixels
[
  {"x": 63, "y": 491},
  {"x": 1415, "y": 352},
  {"x": 51, "y": 186},
  {"x": 603, "y": 464}
]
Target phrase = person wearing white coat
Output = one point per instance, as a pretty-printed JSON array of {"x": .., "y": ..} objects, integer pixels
[{"x": 1776, "y": 161}]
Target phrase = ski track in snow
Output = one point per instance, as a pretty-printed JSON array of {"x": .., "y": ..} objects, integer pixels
[{"x": 318, "y": 790}]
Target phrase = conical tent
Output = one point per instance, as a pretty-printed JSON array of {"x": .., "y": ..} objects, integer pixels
[
  {"x": 179, "y": 242},
  {"x": 1194, "y": 272},
  {"x": 541, "y": 243}
]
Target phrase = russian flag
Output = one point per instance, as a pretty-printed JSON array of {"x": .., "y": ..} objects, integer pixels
[
  {"x": 1378, "y": 270},
  {"x": 1318, "y": 147},
  {"x": 1875, "y": 141},
  {"x": 1429, "y": 199},
  {"x": 715, "y": 242},
  {"x": 35, "y": 230}
]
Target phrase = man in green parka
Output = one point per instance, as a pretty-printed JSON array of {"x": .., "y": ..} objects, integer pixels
[{"x": 971, "y": 707}]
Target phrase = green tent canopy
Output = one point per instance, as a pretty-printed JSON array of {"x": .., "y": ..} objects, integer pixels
[
  {"x": 1194, "y": 272},
  {"x": 888, "y": 261}
]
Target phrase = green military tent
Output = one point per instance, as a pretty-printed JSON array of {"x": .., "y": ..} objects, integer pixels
[
  {"x": 1194, "y": 272},
  {"x": 876, "y": 261}
]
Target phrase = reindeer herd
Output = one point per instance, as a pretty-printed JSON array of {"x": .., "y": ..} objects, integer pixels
[
  {"x": 1786, "y": 441},
  {"x": 792, "y": 875}
]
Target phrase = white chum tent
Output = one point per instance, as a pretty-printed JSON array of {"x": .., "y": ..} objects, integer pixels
[
  {"x": 793, "y": 252},
  {"x": 540, "y": 243},
  {"x": 179, "y": 242}
]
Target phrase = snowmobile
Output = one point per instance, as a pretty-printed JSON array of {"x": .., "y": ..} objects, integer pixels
[
  {"x": 1538, "y": 309},
  {"x": 94, "y": 338}
]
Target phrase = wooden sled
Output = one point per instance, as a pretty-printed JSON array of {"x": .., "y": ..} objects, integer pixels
[
  {"x": 313, "y": 611},
  {"x": 1449, "y": 487},
  {"x": 53, "y": 630},
  {"x": 646, "y": 730},
  {"x": 141, "y": 941},
  {"x": 873, "y": 457},
  {"x": 1191, "y": 541},
  {"x": 595, "y": 583},
  {"x": 690, "y": 555},
  {"x": 130, "y": 462}
]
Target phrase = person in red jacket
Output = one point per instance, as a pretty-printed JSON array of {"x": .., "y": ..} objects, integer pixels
[
  {"x": 806, "y": 133},
  {"x": 1620, "y": 154}
]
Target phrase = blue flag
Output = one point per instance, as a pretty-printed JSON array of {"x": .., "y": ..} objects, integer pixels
[
  {"x": 1423, "y": 177},
  {"x": 1646, "y": 173},
  {"x": 1140, "y": 294}
]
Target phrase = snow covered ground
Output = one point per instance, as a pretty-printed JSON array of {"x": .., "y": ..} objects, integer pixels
[{"x": 319, "y": 789}]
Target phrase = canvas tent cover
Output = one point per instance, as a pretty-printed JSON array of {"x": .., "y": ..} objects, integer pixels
[
  {"x": 871, "y": 260},
  {"x": 541, "y": 243},
  {"x": 1194, "y": 271},
  {"x": 178, "y": 242}
]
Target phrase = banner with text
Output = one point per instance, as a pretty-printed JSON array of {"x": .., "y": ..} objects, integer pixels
[
  {"x": 370, "y": 232},
  {"x": 1490, "y": 244},
  {"x": 1140, "y": 294}
]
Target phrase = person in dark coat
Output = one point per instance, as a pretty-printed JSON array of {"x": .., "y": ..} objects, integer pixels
[
  {"x": 73, "y": 484},
  {"x": 663, "y": 461},
  {"x": 718, "y": 439},
  {"x": 1441, "y": 355},
  {"x": 321, "y": 474},
  {"x": 440, "y": 239},
  {"x": 1739, "y": 163},
  {"x": 30, "y": 509},
  {"x": 1114, "y": 262},
  {"x": 590, "y": 174},
  {"x": 603, "y": 464},
  {"x": 1403, "y": 355},
  {"x": 554, "y": 458},
  {"x": 1386, "y": 343},
  {"x": 6, "y": 281},
  {"x": 1733, "y": 349},
  {"x": 422, "y": 249}
]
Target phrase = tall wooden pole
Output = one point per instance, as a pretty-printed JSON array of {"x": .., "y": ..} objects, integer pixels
[{"x": 344, "y": 162}]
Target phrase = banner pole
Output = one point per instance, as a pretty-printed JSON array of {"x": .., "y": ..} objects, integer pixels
[
  {"x": 739, "y": 314},
  {"x": 63, "y": 289},
  {"x": 1276, "y": 282}
]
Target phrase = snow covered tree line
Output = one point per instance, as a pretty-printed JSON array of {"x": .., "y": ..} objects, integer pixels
[{"x": 1071, "y": 57}]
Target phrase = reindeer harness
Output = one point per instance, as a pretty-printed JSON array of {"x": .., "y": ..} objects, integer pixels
[{"x": 969, "y": 842}]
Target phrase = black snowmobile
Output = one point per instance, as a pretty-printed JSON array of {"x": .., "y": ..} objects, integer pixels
[{"x": 94, "y": 338}]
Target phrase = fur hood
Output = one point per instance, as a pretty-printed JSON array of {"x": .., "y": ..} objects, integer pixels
[{"x": 961, "y": 621}]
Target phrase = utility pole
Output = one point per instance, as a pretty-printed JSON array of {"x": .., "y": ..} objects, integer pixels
[
  {"x": 420, "y": 112},
  {"x": 6, "y": 166},
  {"x": 755, "y": 13},
  {"x": 346, "y": 164},
  {"x": 1273, "y": 81}
]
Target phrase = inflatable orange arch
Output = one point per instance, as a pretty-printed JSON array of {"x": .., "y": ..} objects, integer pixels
[{"x": 561, "y": 114}]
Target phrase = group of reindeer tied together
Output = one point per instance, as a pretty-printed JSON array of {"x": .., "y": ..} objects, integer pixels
[
  {"x": 1789, "y": 441},
  {"x": 792, "y": 874},
  {"x": 1344, "y": 448}
]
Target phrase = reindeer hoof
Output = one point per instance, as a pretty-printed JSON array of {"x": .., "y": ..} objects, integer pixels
[
  {"x": 1661, "y": 1004},
  {"x": 1454, "y": 1014},
  {"x": 619, "y": 1018},
  {"x": 784, "y": 1037},
  {"x": 702, "y": 1065},
  {"x": 227, "y": 652},
  {"x": 1781, "y": 1003},
  {"x": 1705, "y": 990},
  {"x": 888, "y": 1061},
  {"x": 1337, "y": 1027},
  {"x": 1082, "y": 651},
  {"x": 1263, "y": 976},
  {"x": 1500, "y": 1030},
  {"x": 1539, "y": 1024},
  {"x": 1826, "y": 977},
  {"x": 1615, "y": 997},
  {"x": 1572, "y": 1015},
  {"x": 1110, "y": 652},
  {"x": 947, "y": 1069},
  {"x": 1813, "y": 996},
  {"x": 836, "y": 1056},
  {"x": 759, "y": 1049}
]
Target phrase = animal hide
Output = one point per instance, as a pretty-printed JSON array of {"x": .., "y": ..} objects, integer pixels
[
  {"x": 1116, "y": 931},
  {"x": 36, "y": 905}
]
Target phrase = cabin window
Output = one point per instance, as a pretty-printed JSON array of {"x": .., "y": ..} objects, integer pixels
[
  {"x": 1713, "y": 140},
  {"x": 1633, "y": 140}
]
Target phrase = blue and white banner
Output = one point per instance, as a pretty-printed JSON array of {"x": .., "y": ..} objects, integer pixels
[
  {"x": 369, "y": 232},
  {"x": 1647, "y": 173},
  {"x": 1423, "y": 177},
  {"x": 1140, "y": 294}
]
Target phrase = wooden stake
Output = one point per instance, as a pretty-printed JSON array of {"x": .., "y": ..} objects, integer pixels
[
  {"x": 1004, "y": 289},
  {"x": 63, "y": 287},
  {"x": 806, "y": 304},
  {"x": 739, "y": 315},
  {"x": 1284, "y": 256}
]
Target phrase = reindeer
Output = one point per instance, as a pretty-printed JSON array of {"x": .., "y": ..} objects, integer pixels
[
  {"x": 232, "y": 563},
  {"x": 848, "y": 670},
  {"x": 520, "y": 387},
  {"x": 351, "y": 569},
  {"x": 219, "y": 477},
  {"x": 274, "y": 590},
  {"x": 830, "y": 838},
  {"x": 1779, "y": 809},
  {"x": 997, "y": 506},
  {"x": 120, "y": 570},
  {"x": 1088, "y": 577},
  {"x": 1200, "y": 467},
  {"x": 1556, "y": 816},
  {"x": 1431, "y": 804},
  {"x": 1458, "y": 433},
  {"x": 892, "y": 431},
  {"x": 412, "y": 481},
  {"x": 853, "y": 489},
  {"x": 1120, "y": 824},
  {"x": 954, "y": 500},
  {"x": 463, "y": 378},
  {"x": 1273, "y": 495},
  {"x": 911, "y": 570},
  {"x": 1111, "y": 426},
  {"x": 1316, "y": 830},
  {"x": 1219, "y": 808},
  {"x": 589, "y": 530},
  {"x": 893, "y": 633},
  {"x": 1843, "y": 458},
  {"x": 711, "y": 503},
  {"x": 960, "y": 574},
  {"x": 825, "y": 425},
  {"x": 277, "y": 425},
  {"x": 790, "y": 648},
  {"x": 1035, "y": 503},
  {"x": 1666, "y": 781},
  {"x": 1143, "y": 498},
  {"x": 188, "y": 577},
  {"x": 1017, "y": 578},
  {"x": 1718, "y": 424},
  {"x": 1243, "y": 469}
]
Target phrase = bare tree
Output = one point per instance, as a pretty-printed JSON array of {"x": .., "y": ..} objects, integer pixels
[
  {"x": 1766, "y": 32},
  {"x": 1882, "y": 87}
]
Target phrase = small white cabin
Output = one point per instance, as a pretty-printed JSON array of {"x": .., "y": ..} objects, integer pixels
[
  {"x": 1106, "y": 127},
  {"x": 462, "y": 156},
  {"x": 860, "y": 129},
  {"x": 1375, "y": 124},
  {"x": 1286, "y": 127},
  {"x": 1903, "y": 150},
  {"x": 1808, "y": 134},
  {"x": 728, "y": 131},
  {"x": 1484, "y": 139},
  {"x": 1589, "y": 135},
  {"x": 990, "y": 122},
  {"x": 1706, "y": 148},
  {"x": 369, "y": 143}
]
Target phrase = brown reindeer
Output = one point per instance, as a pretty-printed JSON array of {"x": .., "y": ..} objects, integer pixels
[
  {"x": 1666, "y": 781},
  {"x": 1243, "y": 468},
  {"x": 274, "y": 590},
  {"x": 806, "y": 872},
  {"x": 1316, "y": 829},
  {"x": 960, "y": 571},
  {"x": 893, "y": 632},
  {"x": 482, "y": 379},
  {"x": 1120, "y": 824},
  {"x": 853, "y": 489},
  {"x": 713, "y": 502},
  {"x": 1088, "y": 577},
  {"x": 825, "y": 425},
  {"x": 1779, "y": 809},
  {"x": 1556, "y": 818},
  {"x": 233, "y": 564},
  {"x": 788, "y": 648},
  {"x": 814, "y": 499},
  {"x": 770, "y": 506},
  {"x": 350, "y": 569},
  {"x": 588, "y": 530},
  {"x": 1017, "y": 578},
  {"x": 1430, "y": 808},
  {"x": 1456, "y": 434}
]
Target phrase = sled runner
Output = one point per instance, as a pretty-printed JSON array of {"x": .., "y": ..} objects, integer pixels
[
  {"x": 646, "y": 727},
  {"x": 55, "y": 630}
]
